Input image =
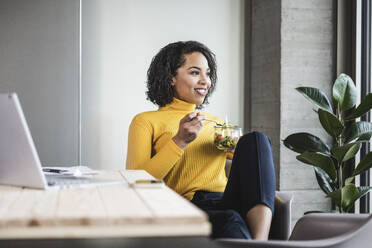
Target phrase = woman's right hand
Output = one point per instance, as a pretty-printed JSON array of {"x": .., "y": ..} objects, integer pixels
[{"x": 189, "y": 129}]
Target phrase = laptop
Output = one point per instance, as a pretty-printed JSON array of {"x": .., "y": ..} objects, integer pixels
[{"x": 19, "y": 161}]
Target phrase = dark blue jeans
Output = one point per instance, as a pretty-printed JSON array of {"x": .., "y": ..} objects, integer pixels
[{"x": 251, "y": 182}]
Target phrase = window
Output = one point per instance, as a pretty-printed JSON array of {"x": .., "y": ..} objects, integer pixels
[{"x": 365, "y": 69}]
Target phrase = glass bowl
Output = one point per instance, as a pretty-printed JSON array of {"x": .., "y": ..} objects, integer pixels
[{"x": 226, "y": 136}]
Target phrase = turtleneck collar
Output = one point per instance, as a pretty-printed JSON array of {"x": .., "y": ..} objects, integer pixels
[{"x": 178, "y": 104}]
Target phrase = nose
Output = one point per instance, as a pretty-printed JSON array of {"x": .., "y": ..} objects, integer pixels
[{"x": 205, "y": 80}]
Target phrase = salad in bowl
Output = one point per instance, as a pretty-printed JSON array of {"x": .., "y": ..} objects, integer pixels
[{"x": 226, "y": 136}]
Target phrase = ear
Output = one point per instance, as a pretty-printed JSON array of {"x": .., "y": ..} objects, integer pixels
[{"x": 173, "y": 83}]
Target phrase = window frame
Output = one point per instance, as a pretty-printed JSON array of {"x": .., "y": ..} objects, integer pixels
[{"x": 365, "y": 81}]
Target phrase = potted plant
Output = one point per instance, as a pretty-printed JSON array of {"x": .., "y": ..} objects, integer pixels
[{"x": 339, "y": 121}]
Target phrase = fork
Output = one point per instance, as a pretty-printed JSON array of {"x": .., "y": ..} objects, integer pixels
[{"x": 218, "y": 124}]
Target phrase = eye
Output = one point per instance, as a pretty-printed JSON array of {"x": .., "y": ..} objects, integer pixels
[{"x": 195, "y": 73}]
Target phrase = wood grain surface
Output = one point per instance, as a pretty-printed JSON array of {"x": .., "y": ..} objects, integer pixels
[{"x": 122, "y": 209}]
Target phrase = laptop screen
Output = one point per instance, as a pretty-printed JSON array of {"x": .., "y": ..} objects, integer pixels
[{"x": 19, "y": 160}]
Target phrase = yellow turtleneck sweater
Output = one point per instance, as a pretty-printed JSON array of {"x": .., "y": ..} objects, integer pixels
[{"x": 150, "y": 147}]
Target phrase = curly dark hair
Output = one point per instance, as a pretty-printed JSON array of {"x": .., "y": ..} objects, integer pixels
[{"x": 164, "y": 67}]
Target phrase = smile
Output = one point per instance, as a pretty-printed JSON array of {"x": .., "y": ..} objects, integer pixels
[{"x": 201, "y": 91}]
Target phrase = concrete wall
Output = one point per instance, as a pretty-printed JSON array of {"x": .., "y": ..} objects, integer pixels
[
  {"x": 39, "y": 60},
  {"x": 119, "y": 39},
  {"x": 306, "y": 60},
  {"x": 265, "y": 72},
  {"x": 291, "y": 46}
]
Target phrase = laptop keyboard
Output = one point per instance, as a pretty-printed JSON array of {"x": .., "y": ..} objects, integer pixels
[{"x": 71, "y": 181}]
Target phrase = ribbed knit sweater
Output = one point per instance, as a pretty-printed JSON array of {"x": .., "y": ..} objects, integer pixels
[{"x": 150, "y": 147}]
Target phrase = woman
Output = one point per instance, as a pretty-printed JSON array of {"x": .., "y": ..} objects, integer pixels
[{"x": 175, "y": 143}]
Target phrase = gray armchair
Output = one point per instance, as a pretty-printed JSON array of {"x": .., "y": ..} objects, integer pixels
[
  {"x": 319, "y": 231},
  {"x": 281, "y": 223}
]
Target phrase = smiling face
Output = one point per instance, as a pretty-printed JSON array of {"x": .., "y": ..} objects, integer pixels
[{"x": 192, "y": 81}]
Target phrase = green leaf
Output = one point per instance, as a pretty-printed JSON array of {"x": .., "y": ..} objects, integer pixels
[
  {"x": 344, "y": 92},
  {"x": 330, "y": 123},
  {"x": 319, "y": 160},
  {"x": 363, "y": 165},
  {"x": 357, "y": 130},
  {"x": 363, "y": 108},
  {"x": 346, "y": 197},
  {"x": 346, "y": 152},
  {"x": 316, "y": 97},
  {"x": 336, "y": 197},
  {"x": 324, "y": 181},
  {"x": 350, "y": 194},
  {"x": 364, "y": 137},
  {"x": 301, "y": 142},
  {"x": 349, "y": 180},
  {"x": 360, "y": 192}
]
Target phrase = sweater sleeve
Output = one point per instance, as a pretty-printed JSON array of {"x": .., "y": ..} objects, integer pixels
[{"x": 139, "y": 156}]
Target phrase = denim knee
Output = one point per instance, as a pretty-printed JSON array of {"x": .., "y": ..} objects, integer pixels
[
  {"x": 252, "y": 137},
  {"x": 232, "y": 216}
]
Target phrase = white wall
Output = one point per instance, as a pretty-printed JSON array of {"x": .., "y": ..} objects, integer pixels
[{"x": 119, "y": 39}]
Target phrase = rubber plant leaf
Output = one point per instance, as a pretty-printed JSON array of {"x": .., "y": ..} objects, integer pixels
[
  {"x": 344, "y": 92},
  {"x": 316, "y": 97},
  {"x": 301, "y": 142}
]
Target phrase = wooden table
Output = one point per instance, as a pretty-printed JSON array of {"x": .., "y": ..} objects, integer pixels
[{"x": 108, "y": 211}]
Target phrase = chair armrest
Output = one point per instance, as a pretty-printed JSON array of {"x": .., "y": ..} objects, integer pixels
[
  {"x": 326, "y": 225},
  {"x": 243, "y": 243},
  {"x": 228, "y": 167},
  {"x": 281, "y": 223},
  {"x": 355, "y": 232}
]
